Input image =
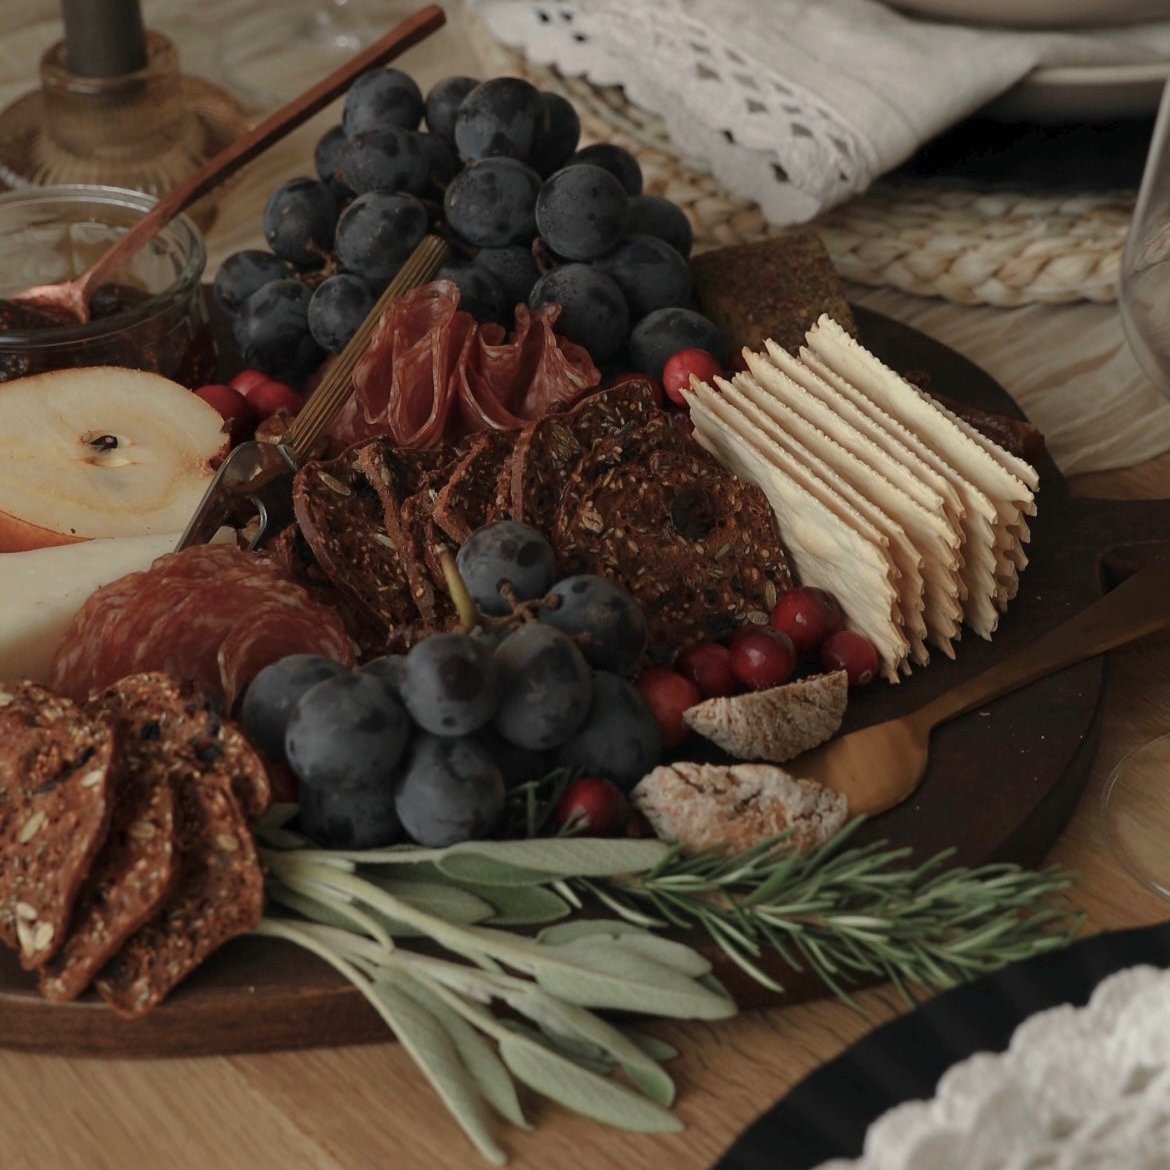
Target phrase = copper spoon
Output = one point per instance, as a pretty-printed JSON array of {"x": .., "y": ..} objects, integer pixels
[
  {"x": 71, "y": 297},
  {"x": 880, "y": 766}
]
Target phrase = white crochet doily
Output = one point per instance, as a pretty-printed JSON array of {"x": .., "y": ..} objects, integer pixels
[{"x": 1077, "y": 1089}]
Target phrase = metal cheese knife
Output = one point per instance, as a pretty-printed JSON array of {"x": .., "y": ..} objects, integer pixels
[{"x": 255, "y": 480}]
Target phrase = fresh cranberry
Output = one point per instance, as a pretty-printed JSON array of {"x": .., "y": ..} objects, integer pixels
[
  {"x": 708, "y": 666},
  {"x": 270, "y": 396},
  {"x": 676, "y": 374},
  {"x": 808, "y": 615},
  {"x": 593, "y": 805},
  {"x": 762, "y": 657},
  {"x": 853, "y": 653},
  {"x": 615, "y": 380},
  {"x": 246, "y": 379},
  {"x": 233, "y": 407},
  {"x": 669, "y": 695}
]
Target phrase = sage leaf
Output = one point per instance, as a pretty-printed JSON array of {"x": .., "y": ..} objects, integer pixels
[
  {"x": 564, "y": 932},
  {"x": 478, "y": 1056},
  {"x": 654, "y": 946},
  {"x": 431, "y": 1047},
  {"x": 600, "y": 973},
  {"x": 563, "y": 856},
  {"x": 525, "y": 905},
  {"x": 599, "y": 1097},
  {"x": 654, "y": 1048},
  {"x": 474, "y": 869},
  {"x": 448, "y": 902}
]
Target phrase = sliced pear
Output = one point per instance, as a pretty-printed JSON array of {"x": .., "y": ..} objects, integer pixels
[{"x": 101, "y": 452}]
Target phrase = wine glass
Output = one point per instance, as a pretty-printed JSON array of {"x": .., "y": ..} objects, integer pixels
[{"x": 1136, "y": 799}]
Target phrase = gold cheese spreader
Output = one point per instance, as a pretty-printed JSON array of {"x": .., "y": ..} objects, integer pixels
[
  {"x": 256, "y": 477},
  {"x": 879, "y": 766}
]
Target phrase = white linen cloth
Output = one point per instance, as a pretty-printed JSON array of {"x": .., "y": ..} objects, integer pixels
[
  {"x": 796, "y": 104},
  {"x": 1077, "y": 1089}
]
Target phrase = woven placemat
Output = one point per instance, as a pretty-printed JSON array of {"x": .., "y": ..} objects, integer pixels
[{"x": 970, "y": 247}]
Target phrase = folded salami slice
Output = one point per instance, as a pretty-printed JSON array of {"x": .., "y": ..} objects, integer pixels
[{"x": 54, "y": 812}]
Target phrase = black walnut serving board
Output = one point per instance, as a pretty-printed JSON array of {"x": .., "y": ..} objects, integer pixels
[{"x": 1001, "y": 784}]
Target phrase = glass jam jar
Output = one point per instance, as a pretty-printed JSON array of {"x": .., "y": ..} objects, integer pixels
[{"x": 150, "y": 317}]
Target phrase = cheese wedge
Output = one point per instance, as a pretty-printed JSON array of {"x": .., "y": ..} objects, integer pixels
[
  {"x": 824, "y": 546},
  {"x": 872, "y": 471}
]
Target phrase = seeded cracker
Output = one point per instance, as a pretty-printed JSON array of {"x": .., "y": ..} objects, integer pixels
[
  {"x": 131, "y": 876},
  {"x": 468, "y": 499},
  {"x": 55, "y": 807},
  {"x": 219, "y": 892}
]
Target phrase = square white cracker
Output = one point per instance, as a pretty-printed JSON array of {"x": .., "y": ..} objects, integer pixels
[
  {"x": 871, "y": 468},
  {"x": 977, "y": 459},
  {"x": 845, "y": 498},
  {"x": 823, "y": 546},
  {"x": 976, "y": 513}
]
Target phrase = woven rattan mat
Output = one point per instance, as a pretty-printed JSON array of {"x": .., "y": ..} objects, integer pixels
[{"x": 968, "y": 240}]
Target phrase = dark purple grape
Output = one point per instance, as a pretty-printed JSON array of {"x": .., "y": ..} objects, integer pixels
[
  {"x": 514, "y": 267},
  {"x": 328, "y": 151},
  {"x": 493, "y": 203},
  {"x": 242, "y": 273},
  {"x": 442, "y": 103},
  {"x": 442, "y": 162},
  {"x": 650, "y": 273},
  {"x": 545, "y": 685},
  {"x": 274, "y": 692},
  {"x": 340, "y": 818},
  {"x": 498, "y": 117},
  {"x": 299, "y": 220},
  {"x": 593, "y": 310},
  {"x": 611, "y": 620},
  {"x": 620, "y": 163},
  {"x": 271, "y": 330},
  {"x": 346, "y": 733},
  {"x": 661, "y": 334},
  {"x": 449, "y": 684},
  {"x": 619, "y": 737},
  {"x": 384, "y": 160},
  {"x": 377, "y": 232},
  {"x": 557, "y": 134},
  {"x": 517, "y": 765},
  {"x": 652, "y": 215},
  {"x": 505, "y": 552},
  {"x": 389, "y": 668},
  {"x": 336, "y": 310},
  {"x": 480, "y": 294},
  {"x": 582, "y": 212},
  {"x": 450, "y": 790},
  {"x": 381, "y": 98}
]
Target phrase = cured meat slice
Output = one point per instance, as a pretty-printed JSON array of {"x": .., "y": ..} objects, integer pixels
[
  {"x": 174, "y": 617},
  {"x": 695, "y": 546},
  {"x": 219, "y": 892},
  {"x": 468, "y": 500},
  {"x": 547, "y": 450},
  {"x": 432, "y": 374},
  {"x": 55, "y": 808},
  {"x": 131, "y": 876}
]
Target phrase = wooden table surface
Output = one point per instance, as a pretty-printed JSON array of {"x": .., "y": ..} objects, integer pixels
[{"x": 355, "y": 1108}]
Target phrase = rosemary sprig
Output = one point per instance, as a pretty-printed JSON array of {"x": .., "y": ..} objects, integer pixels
[{"x": 850, "y": 914}]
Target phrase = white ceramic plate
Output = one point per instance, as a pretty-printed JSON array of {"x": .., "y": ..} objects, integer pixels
[
  {"x": 1038, "y": 13},
  {"x": 1096, "y": 93}
]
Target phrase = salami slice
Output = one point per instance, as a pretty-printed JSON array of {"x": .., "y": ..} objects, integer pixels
[{"x": 174, "y": 616}]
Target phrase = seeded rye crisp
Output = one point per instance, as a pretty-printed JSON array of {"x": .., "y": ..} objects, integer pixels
[
  {"x": 219, "y": 892},
  {"x": 468, "y": 500},
  {"x": 55, "y": 805},
  {"x": 131, "y": 876},
  {"x": 696, "y": 547}
]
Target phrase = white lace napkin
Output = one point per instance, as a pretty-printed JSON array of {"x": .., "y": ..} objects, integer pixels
[
  {"x": 796, "y": 104},
  {"x": 1077, "y": 1089}
]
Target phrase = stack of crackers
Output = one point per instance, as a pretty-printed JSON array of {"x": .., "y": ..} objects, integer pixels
[{"x": 911, "y": 517}]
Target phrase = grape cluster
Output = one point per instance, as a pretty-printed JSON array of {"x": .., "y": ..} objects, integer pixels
[
  {"x": 498, "y": 170},
  {"x": 423, "y": 746}
]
